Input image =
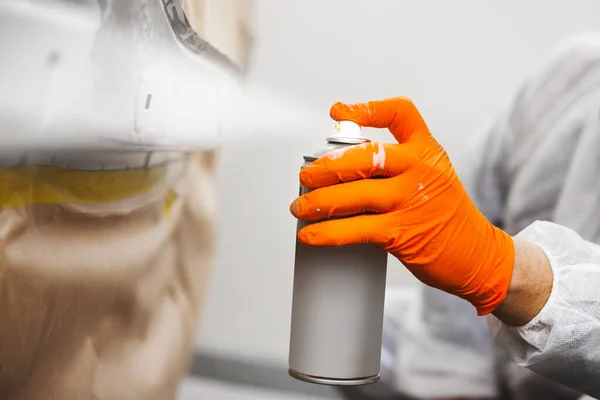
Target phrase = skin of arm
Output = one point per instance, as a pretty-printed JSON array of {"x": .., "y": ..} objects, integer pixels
[{"x": 530, "y": 286}]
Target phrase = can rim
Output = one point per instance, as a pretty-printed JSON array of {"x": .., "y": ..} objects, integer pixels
[
  {"x": 347, "y": 140},
  {"x": 319, "y": 380}
]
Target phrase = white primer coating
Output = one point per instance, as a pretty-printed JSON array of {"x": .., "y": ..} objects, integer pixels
[
  {"x": 421, "y": 195},
  {"x": 338, "y": 153},
  {"x": 118, "y": 79},
  {"x": 379, "y": 156},
  {"x": 335, "y": 154}
]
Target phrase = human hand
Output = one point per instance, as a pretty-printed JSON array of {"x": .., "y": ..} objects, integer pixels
[{"x": 419, "y": 212}]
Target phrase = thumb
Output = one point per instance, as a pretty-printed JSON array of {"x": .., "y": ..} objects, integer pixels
[{"x": 398, "y": 114}]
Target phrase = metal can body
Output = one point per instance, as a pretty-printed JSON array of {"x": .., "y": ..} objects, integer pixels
[{"x": 337, "y": 310}]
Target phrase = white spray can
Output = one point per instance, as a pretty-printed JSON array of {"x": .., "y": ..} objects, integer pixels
[{"x": 338, "y": 298}]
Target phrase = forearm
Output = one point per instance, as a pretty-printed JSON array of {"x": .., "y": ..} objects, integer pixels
[{"x": 530, "y": 286}]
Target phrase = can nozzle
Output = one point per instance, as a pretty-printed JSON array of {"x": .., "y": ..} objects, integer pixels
[{"x": 346, "y": 130}]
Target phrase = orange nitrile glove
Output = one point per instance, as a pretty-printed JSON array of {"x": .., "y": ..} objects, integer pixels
[{"x": 423, "y": 214}]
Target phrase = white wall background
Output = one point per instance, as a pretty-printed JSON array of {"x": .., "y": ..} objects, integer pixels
[{"x": 459, "y": 60}]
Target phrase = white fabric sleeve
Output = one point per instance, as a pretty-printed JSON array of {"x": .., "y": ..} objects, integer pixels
[{"x": 563, "y": 341}]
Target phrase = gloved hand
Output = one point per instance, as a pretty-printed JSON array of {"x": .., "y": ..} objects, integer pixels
[{"x": 423, "y": 215}]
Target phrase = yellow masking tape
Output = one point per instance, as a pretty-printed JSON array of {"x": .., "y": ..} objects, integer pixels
[
  {"x": 170, "y": 199},
  {"x": 22, "y": 186}
]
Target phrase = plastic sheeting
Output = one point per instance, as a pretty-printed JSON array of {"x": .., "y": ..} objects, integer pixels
[{"x": 101, "y": 275}]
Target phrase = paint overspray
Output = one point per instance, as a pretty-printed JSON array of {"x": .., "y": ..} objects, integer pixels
[{"x": 338, "y": 298}]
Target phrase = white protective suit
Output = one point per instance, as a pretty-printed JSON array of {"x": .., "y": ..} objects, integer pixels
[{"x": 540, "y": 161}]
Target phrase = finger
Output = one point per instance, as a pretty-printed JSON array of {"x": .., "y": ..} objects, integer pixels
[
  {"x": 358, "y": 162},
  {"x": 369, "y": 195},
  {"x": 362, "y": 229},
  {"x": 398, "y": 114}
]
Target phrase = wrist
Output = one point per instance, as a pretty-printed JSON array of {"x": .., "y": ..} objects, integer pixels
[
  {"x": 495, "y": 269},
  {"x": 530, "y": 285}
]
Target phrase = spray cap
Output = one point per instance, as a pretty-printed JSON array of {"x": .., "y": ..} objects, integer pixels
[{"x": 346, "y": 132}]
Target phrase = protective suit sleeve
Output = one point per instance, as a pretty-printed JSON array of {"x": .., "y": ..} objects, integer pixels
[{"x": 561, "y": 342}]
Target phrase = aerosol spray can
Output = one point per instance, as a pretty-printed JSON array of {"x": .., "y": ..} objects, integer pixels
[{"x": 338, "y": 298}]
